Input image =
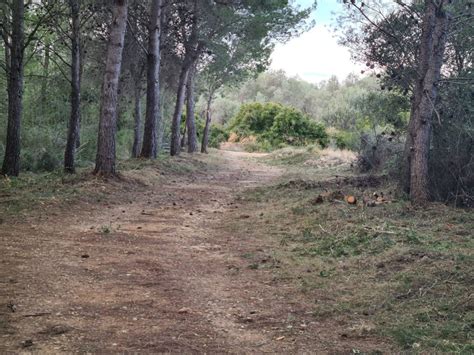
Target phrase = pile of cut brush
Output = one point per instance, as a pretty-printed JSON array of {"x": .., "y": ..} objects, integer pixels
[{"x": 376, "y": 199}]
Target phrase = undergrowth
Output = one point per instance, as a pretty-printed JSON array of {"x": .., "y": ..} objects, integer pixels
[
  {"x": 44, "y": 190},
  {"x": 391, "y": 270}
]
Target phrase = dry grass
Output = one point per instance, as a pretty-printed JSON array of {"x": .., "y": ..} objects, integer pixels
[
  {"x": 389, "y": 270},
  {"x": 373, "y": 276},
  {"x": 29, "y": 191}
]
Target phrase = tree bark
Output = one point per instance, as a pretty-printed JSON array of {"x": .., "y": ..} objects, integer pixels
[
  {"x": 183, "y": 137},
  {"x": 44, "y": 82},
  {"x": 405, "y": 175},
  {"x": 150, "y": 146},
  {"x": 11, "y": 162},
  {"x": 432, "y": 48},
  {"x": 207, "y": 127},
  {"x": 105, "y": 159},
  {"x": 192, "y": 54},
  {"x": 6, "y": 37},
  {"x": 190, "y": 119},
  {"x": 175, "y": 147},
  {"x": 137, "y": 122},
  {"x": 75, "y": 117},
  {"x": 161, "y": 123}
]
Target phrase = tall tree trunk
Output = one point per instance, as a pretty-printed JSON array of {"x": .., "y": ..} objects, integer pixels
[
  {"x": 150, "y": 148},
  {"x": 178, "y": 110},
  {"x": 192, "y": 54},
  {"x": 11, "y": 162},
  {"x": 207, "y": 127},
  {"x": 190, "y": 104},
  {"x": 6, "y": 37},
  {"x": 405, "y": 174},
  {"x": 183, "y": 137},
  {"x": 138, "y": 122},
  {"x": 432, "y": 48},
  {"x": 75, "y": 117},
  {"x": 105, "y": 159},
  {"x": 44, "y": 82},
  {"x": 161, "y": 123}
]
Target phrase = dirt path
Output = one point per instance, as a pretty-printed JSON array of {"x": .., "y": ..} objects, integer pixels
[{"x": 155, "y": 272}]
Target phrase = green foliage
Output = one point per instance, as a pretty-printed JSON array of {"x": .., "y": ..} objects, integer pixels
[
  {"x": 198, "y": 121},
  {"x": 346, "y": 140},
  {"x": 292, "y": 127},
  {"x": 217, "y": 135},
  {"x": 384, "y": 108},
  {"x": 275, "y": 125},
  {"x": 254, "y": 118}
]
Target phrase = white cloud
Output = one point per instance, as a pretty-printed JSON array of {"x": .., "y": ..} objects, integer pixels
[{"x": 314, "y": 56}]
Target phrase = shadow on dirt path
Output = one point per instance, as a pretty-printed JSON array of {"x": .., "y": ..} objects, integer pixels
[{"x": 156, "y": 272}]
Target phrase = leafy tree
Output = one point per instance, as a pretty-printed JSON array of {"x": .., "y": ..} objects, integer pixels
[
  {"x": 204, "y": 25},
  {"x": 414, "y": 48}
]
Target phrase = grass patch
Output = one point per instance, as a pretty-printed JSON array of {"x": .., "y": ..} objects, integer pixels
[
  {"x": 34, "y": 190},
  {"x": 408, "y": 272}
]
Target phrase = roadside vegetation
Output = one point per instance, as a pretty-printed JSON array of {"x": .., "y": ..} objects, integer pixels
[{"x": 385, "y": 268}]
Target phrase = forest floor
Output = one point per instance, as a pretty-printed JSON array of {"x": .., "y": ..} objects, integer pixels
[{"x": 231, "y": 252}]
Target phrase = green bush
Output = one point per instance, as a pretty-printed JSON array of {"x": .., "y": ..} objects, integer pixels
[
  {"x": 217, "y": 135},
  {"x": 275, "y": 125},
  {"x": 347, "y": 140},
  {"x": 198, "y": 121},
  {"x": 255, "y": 118},
  {"x": 42, "y": 148}
]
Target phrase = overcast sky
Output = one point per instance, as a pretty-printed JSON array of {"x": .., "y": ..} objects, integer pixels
[{"x": 315, "y": 55}]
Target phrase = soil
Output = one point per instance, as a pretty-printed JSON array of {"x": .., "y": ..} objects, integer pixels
[{"x": 155, "y": 270}]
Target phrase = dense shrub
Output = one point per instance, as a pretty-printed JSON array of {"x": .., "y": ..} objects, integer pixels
[
  {"x": 451, "y": 164},
  {"x": 380, "y": 152},
  {"x": 217, "y": 135},
  {"x": 274, "y": 125},
  {"x": 48, "y": 146},
  {"x": 292, "y": 127},
  {"x": 254, "y": 118},
  {"x": 198, "y": 121},
  {"x": 346, "y": 140}
]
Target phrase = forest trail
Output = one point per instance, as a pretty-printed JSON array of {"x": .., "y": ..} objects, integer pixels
[{"x": 156, "y": 271}]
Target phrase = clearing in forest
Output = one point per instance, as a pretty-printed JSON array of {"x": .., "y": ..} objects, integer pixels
[{"x": 231, "y": 252}]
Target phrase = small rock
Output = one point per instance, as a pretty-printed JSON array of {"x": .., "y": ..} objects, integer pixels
[
  {"x": 184, "y": 310},
  {"x": 11, "y": 306},
  {"x": 27, "y": 343},
  {"x": 319, "y": 199},
  {"x": 85, "y": 256}
]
